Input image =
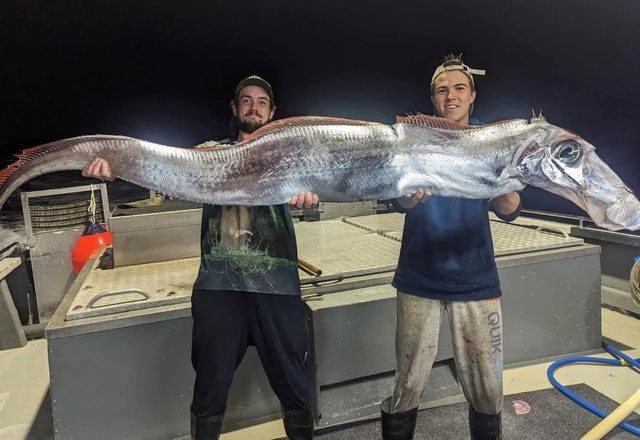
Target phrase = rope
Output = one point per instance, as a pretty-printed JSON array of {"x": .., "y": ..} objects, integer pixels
[
  {"x": 634, "y": 280},
  {"x": 92, "y": 207}
]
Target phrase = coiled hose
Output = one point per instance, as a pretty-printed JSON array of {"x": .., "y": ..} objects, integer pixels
[{"x": 615, "y": 418}]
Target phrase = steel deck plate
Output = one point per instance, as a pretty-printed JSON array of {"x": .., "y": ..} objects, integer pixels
[
  {"x": 340, "y": 247},
  {"x": 508, "y": 238},
  {"x": 511, "y": 239},
  {"x": 134, "y": 287},
  {"x": 335, "y": 247}
]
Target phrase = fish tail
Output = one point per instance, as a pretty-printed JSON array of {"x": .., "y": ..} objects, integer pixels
[{"x": 55, "y": 156}]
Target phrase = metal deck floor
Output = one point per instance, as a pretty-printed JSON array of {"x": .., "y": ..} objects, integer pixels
[{"x": 24, "y": 384}]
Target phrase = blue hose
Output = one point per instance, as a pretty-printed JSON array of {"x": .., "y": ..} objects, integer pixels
[{"x": 621, "y": 359}]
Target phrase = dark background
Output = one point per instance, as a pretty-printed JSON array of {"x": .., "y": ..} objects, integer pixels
[{"x": 165, "y": 70}]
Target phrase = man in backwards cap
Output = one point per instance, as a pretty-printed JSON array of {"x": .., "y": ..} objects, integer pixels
[
  {"x": 247, "y": 291},
  {"x": 446, "y": 263}
]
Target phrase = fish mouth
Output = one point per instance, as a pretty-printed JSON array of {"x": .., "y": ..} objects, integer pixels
[
  {"x": 625, "y": 212},
  {"x": 609, "y": 199},
  {"x": 620, "y": 212},
  {"x": 613, "y": 208},
  {"x": 601, "y": 193}
]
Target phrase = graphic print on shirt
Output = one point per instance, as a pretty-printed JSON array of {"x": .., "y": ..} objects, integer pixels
[
  {"x": 248, "y": 249},
  {"x": 232, "y": 243}
]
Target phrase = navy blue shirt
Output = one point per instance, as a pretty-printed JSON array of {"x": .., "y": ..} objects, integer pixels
[{"x": 447, "y": 251}]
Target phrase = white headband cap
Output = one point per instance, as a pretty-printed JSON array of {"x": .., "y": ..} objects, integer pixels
[{"x": 457, "y": 65}]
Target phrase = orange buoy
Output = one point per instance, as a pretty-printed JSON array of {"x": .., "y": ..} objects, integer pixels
[{"x": 93, "y": 237}]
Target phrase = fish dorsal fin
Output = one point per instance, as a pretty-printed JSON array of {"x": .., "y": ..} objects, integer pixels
[
  {"x": 29, "y": 154},
  {"x": 431, "y": 122},
  {"x": 24, "y": 157},
  {"x": 303, "y": 121}
]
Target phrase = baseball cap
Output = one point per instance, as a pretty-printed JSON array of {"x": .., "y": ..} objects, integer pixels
[{"x": 255, "y": 80}]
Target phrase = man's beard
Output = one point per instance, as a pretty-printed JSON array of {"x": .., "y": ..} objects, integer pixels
[{"x": 247, "y": 126}]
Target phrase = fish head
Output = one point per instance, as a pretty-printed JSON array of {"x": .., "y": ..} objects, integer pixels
[{"x": 563, "y": 163}]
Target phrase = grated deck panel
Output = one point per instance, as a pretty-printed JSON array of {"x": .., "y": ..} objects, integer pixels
[{"x": 337, "y": 247}]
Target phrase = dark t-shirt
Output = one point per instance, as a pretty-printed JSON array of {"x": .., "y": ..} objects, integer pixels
[{"x": 247, "y": 248}]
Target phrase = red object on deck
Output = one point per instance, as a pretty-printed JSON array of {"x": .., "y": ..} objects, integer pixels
[{"x": 85, "y": 246}]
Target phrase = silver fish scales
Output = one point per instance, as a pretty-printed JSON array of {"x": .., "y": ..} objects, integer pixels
[{"x": 345, "y": 160}]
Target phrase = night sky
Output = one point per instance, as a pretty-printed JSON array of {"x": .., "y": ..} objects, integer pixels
[{"x": 165, "y": 71}]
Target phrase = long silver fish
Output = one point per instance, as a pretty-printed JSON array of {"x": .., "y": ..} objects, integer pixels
[{"x": 346, "y": 160}]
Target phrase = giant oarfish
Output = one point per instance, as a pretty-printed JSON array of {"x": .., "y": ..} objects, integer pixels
[{"x": 346, "y": 160}]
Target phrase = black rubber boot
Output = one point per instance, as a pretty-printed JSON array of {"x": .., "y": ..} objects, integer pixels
[
  {"x": 485, "y": 426},
  {"x": 206, "y": 428},
  {"x": 298, "y": 424},
  {"x": 399, "y": 425}
]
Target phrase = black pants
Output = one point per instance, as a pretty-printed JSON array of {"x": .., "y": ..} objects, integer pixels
[{"x": 225, "y": 323}]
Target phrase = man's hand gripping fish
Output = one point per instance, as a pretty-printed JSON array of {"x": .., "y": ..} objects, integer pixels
[{"x": 346, "y": 160}]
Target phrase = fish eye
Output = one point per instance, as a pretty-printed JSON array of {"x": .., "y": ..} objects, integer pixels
[{"x": 567, "y": 152}]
